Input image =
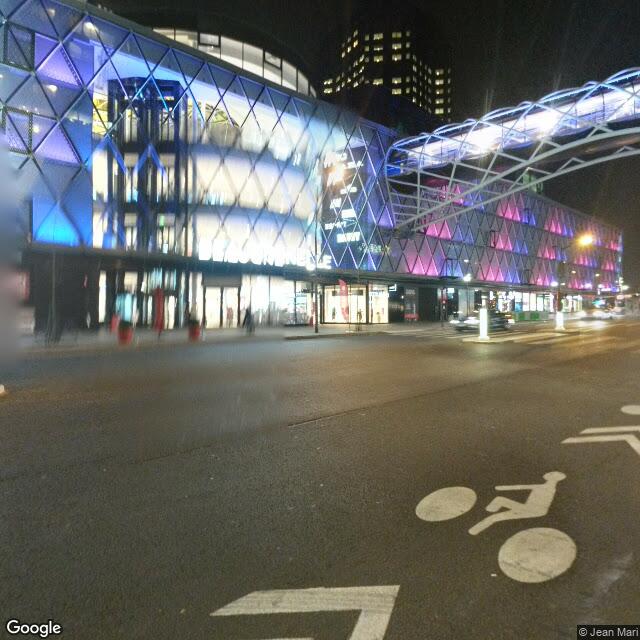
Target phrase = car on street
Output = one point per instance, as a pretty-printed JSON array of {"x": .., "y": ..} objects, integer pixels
[
  {"x": 497, "y": 320},
  {"x": 602, "y": 313}
]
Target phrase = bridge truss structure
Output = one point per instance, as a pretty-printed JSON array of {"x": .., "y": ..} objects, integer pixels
[{"x": 460, "y": 167}]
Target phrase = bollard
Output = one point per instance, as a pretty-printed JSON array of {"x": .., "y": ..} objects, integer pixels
[
  {"x": 484, "y": 324},
  {"x": 559, "y": 321}
]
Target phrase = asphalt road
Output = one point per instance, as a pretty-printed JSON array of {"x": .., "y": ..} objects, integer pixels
[{"x": 146, "y": 494}]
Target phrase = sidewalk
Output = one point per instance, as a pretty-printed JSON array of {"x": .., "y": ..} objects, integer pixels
[
  {"x": 147, "y": 338},
  {"x": 104, "y": 339}
]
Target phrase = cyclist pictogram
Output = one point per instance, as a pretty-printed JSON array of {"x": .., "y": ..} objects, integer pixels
[{"x": 532, "y": 555}]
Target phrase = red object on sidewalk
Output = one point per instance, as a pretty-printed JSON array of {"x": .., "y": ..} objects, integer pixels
[
  {"x": 125, "y": 334},
  {"x": 195, "y": 331},
  {"x": 158, "y": 324},
  {"x": 115, "y": 321}
]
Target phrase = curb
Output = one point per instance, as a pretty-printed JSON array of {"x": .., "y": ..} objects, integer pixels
[
  {"x": 105, "y": 348},
  {"x": 317, "y": 336},
  {"x": 513, "y": 338}
]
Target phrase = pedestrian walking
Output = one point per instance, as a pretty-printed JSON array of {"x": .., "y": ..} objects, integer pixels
[{"x": 247, "y": 323}]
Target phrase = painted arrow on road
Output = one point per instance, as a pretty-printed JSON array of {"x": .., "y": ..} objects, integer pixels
[
  {"x": 608, "y": 434},
  {"x": 374, "y": 603}
]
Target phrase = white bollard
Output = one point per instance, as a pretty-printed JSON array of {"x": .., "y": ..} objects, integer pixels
[
  {"x": 3, "y": 391},
  {"x": 559, "y": 321},
  {"x": 484, "y": 323}
]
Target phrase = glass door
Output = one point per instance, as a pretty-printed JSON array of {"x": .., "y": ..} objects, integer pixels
[
  {"x": 230, "y": 307},
  {"x": 213, "y": 300}
]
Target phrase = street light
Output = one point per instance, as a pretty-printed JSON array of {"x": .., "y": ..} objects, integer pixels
[
  {"x": 466, "y": 278},
  {"x": 585, "y": 240}
]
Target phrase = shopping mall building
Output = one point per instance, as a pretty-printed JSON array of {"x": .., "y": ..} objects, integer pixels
[{"x": 158, "y": 174}]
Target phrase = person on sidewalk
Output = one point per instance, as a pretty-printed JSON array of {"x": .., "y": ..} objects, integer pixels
[
  {"x": 158, "y": 324},
  {"x": 247, "y": 323},
  {"x": 229, "y": 317}
]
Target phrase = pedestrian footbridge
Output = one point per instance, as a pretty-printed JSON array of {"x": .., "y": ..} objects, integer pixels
[{"x": 458, "y": 167}]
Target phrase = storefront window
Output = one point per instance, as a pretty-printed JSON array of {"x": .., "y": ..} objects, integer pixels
[
  {"x": 572, "y": 303},
  {"x": 517, "y": 301},
  {"x": 273, "y": 300},
  {"x": 255, "y": 294},
  {"x": 378, "y": 304},
  {"x": 276, "y": 301},
  {"x": 230, "y": 307},
  {"x": 301, "y": 311},
  {"x": 507, "y": 301},
  {"x": 410, "y": 304},
  {"x": 345, "y": 304}
]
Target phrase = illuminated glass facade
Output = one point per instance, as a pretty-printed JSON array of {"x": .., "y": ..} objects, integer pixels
[
  {"x": 244, "y": 55},
  {"x": 171, "y": 172},
  {"x": 523, "y": 239}
]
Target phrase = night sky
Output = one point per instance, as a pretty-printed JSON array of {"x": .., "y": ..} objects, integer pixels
[{"x": 504, "y": 52}]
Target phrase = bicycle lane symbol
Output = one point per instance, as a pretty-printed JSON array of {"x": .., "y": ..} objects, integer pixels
[
  {"x": 533, "y": 555},
  {"x": 537, "y": 554}
]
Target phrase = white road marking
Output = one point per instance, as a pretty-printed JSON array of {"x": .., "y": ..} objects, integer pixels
[
  {"x": 622, "y": 434},
  {"x": 538, "y": 335},
  {"x": 579, "y": 339},
  {"x": 537, "y": 555},
  {"x": 632, "y": 345},
  {"x": 446, "y": 504},
  {"x": 537, "y": 504},
  {"x": 631, "y": 409},
  {"x": 375, "y": 604},
  {"x": 507, "y": 337},
  {"x": 597, "y": 346},
  {"x": 528, "y": 337},
  {"x": 556, "y": 340},
  {"x": 625, "y": 429},
  {"x": 409, "y": 332}
]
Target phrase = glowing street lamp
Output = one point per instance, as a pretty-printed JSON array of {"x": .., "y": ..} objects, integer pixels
[{"x": 585, "y": 240}]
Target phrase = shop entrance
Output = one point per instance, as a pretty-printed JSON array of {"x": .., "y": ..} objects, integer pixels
[
  {"x": 221, "y": 307},
  {"x": 356, "y": 303}
]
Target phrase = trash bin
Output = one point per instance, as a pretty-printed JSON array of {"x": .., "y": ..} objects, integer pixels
[
  {"x": 195, "y": 330},
  {"x": 125, "y": 332}
]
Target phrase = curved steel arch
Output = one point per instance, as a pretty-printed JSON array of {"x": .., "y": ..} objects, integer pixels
[{"x": 436, "y": 176}]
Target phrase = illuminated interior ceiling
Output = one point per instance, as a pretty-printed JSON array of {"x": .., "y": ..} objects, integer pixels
[{"x": 436, "y": 176}]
